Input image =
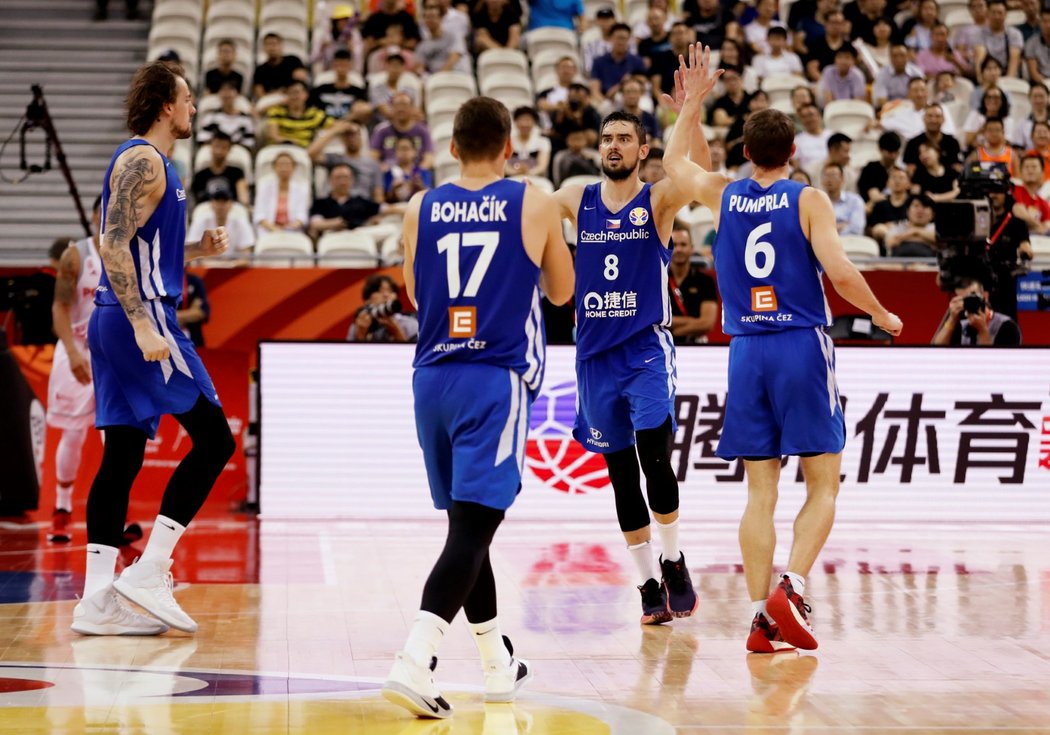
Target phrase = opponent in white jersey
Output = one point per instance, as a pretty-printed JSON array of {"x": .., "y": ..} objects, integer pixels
[{"x": 70, "y": 395}]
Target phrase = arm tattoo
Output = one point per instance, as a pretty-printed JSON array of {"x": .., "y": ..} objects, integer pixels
[{"x": 133, "y": 180}]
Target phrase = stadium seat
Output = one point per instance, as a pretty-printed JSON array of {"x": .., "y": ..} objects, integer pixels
[
  {"x": 284, "y": 243},
  {"x": 446, "y": 168},
  {"x": 239, "y": 157},
  {"x": 863, "y": 151},
  {"x": 963, "y": 88},
  {"x": 237, "y": 210},
  {"x": 848, "y": 116},
  {"x": 1013, "y": 85},
  {"x": 956, "y": 18},
  {"x": 238, "y": 31},
  {"x": 946, "y": 6},
  {"x": 545, "y": 62},
  {"x": 700, "y": 221},
  {"x": 238, "y": 10},
  {"x": 635, "y": 11},
  {"x": 347, "y": 249},
  {"x": 1015, "y": 18},
  {"x": 292, "y": 11},
  {"x": 779, "y": 86},
  {"x": 583, "y": 179},
  {"x": 264, "y": 161},
  {"x": 437, "y": 84},
  {"x": 512, "y": 89},
  {"x": 501, "y": 61},
  {"x": 212, "y": 102},
  {"x": 540, "y": 182},
  {"x": 441, "y": 135},
  {"x": 1040, "y": 247},
  {"x": 859, "y": 247},
  {"x": 557, "y": 38},
  {"x": 390, "y": 252},
  {"x": 442, "y": 110},
  {"x": 178, "y": 28},
  {"x": 187, "y": 56},
  {"x": 292, "y": 33},
  {"x": 185, "y": 9},
  {"x": 328, "y": 77}
]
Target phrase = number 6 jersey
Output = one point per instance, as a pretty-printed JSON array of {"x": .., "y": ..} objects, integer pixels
[
  {"x": 621, "y": 272},
  {"x": 768, "y": 275},
  {"x": 476, "y": 288}
]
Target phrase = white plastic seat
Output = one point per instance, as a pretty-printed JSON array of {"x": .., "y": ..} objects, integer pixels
[
  {"x": 700, "y": 221},
  {"x": 177, "y": 27},
  {"x": 292, "y": 10},
  {"x": 442, "y": 110},
  {"x": 329, "y": 77},
  {"x": 540, "y": 182},
  {"x": 239, "y": 157},
  {"x": 848, "y": 116},
  {"x": 347, "y": 248},
  {"x": 441, "y": 135},
  {"x": 1013, "y": 85},
  {"x": 303, "y": 165},
  {"x": 512, "y": 90},
  {"x": 859, "y": 247},
  {"x": 543, "y": 38},
  {"x": 863, "y": 151},
  {"x": 295, "y": 244},
  {"x": 956, "y": 18},
  {"x": 243, "y": 10},
  {"x": 189, "y": 10},
  {"x": 390, "y": 252},
  {"x": 501, "y": 60},
  {"x": 212, "y": 102},
  {"x": 1040, "y": 247},
  {"x": 240, "y": 32},
  {"x": 779, "y": 86},
  {"x": 446, "y": 168}
]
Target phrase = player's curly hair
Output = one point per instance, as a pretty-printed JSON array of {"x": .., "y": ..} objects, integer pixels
[{"x": 153, "y": 86}]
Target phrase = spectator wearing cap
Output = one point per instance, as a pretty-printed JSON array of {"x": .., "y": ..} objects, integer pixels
[
  {"x": 228, "y": 119},
  {"x": 576, "y": 112},
  {"x": 278, "y": 71},
  {"x": 296, "y": 121},
  {"x": 531, "y": 150},
  {"x": 778, "y": 60},
  {"x": 219, "y": 168},
  {"x": 891, "y": 83},
  {"x": 397, "y": 81},
  {"x": 876, "y": 174},
  {"x": 596, "y": 40},
  {"x": 440, "y": 50},
  {"x": 368, "y": 177},
  {"x": 341, "y": 98},
  {"x": 281, "y": 201},
  {"x": 390, "y": 25},
  {"x": 609, "y": 70},
  {"x": 404, "y": 122},
  {"x": 344, "y": 33},
  {"x": 555, "y": 14},
  {"x": 843, "y": 80},
  {"x": 497, "y": 24},
  {"x": 224, "y": 72},
  {"x": 342, "y": 209},
  {"x": 219, "y": 212}
]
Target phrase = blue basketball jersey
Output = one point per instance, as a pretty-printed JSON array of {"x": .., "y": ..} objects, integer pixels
[
  {"x": 476, "y": 288},
  {"x": 621, "y": 272},
  {"x": 768, "y": 275},
  {"x": 158, "y": 247}
]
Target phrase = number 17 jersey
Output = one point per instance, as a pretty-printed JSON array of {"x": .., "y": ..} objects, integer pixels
[
  {"x": 768, "y": 274},
  {"x": 477, "y": 289}
]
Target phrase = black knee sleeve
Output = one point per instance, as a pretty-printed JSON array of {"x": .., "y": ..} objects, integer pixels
[
  {"x": 661, "y": 484},
  {"x": 192, "y": 480},
  {"x": 470, "y": 531},
  {"x": 107, "y": 505},
  {"x": 631, "y": 511}
]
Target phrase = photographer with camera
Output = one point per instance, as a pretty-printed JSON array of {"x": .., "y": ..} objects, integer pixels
[
  {"x": 970, "y": 320},
  {"x": 1008, "y": 249},
  {"x": 380, "y": 319}
]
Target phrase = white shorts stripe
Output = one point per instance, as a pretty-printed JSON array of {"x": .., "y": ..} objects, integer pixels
[
  {"x": 506, "y": 438},
  {"x": 165, "y": 365},
  {"x": 176, "y": 353},
  {"x": 826, "y": 347},
  {"x": 145, "y": 270},
  {"x": 669, "y": 363},
  {"x": 158, "y": 279}
]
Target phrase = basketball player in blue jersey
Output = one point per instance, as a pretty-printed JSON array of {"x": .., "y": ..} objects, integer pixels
[
  {"x": 478, "y": 251},
  {"x": 774, "y": 238},
  {"x": 625, "y": 355},
  {"x": 143, "y": 366}
]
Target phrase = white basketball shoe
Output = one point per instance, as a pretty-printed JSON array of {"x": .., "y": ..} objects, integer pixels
[
  {"x": 412, "y": 686},
  {"x": 105, "y": 614},
  {"x": 148, "y": 584},
  {"x": 502, "y": 683}
]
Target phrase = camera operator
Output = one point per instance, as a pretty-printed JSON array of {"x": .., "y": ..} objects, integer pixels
[
  {"x": 971, "y": 321},
  {"x": 1008, "y": 247},
  {"x": 380, "y": 319}
]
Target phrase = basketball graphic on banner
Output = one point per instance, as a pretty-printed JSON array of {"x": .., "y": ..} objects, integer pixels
[{"x": 551, "y": 454}]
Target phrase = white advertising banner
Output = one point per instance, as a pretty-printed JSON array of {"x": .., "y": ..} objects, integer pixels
[{"x": 933, "y": 434}]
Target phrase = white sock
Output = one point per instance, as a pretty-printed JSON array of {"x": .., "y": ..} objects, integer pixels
[
  {"x": 64, "y": 497},
  {"x": 101, "y": 565},
  {"x": 424, "y": 638},
  {"x": 642, "y": 555},
  {"x": 758, "y": 606},
  {"x": 798, "y": 582},
  {"x": 162, "y": 539},
  {"x": 668, "y": 533},
  {"x": 490, "y": 644}
]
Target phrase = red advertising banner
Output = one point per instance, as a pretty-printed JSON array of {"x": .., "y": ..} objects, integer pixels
[{"x": 229, "y": 372}]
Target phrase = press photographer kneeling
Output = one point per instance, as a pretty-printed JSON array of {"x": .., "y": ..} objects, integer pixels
[{"x": 971, "y": 321}]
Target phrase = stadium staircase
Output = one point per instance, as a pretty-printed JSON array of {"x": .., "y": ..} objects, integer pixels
[{"x": 84, "y": 68}]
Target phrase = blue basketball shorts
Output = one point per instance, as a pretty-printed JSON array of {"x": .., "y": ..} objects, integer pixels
[
  {"x": 472, "y": 420},
  {"x": 132, "y": 392},
  {"x": 624, "y": 390},
  {"x": 783, "y": 397}
]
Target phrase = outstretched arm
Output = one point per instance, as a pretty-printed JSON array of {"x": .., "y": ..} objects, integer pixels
[{"x": 699, "y": 150}]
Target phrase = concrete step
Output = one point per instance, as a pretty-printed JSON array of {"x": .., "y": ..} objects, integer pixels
[
  {"x": 120, "y": 56},
  {"x": 65, "y": 66},
  {"x": 79, "y": 44},
  {"x": 13, "y": 86},
  {"x": 64, "y": 26}
]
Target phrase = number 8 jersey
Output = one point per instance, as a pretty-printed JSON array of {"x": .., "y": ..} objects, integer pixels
[
  {"x": 768, "y": 275},
  {"x": 621, "y": 272},
  {"x": 476, "y": 288}
]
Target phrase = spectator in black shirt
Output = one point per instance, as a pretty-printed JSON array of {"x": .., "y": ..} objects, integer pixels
[
  {"x": 862, "y": 16},
  {"x": 659, "y": 40},
  {"x": 224, "y": 72},
  {"x": 933, "y": 118},
  {"x": 340, "y": 210},
  {"x": 876, "y": 174},
  {"x": 892, "y": 206},
  {"x": 376, "y": 30},
  {"x": 733, "y": 105},
  {"x": 497, "y": 24},
  {"x": 575, "y": 113},
  {"x": 219, "y": 169},
  {"x": 937, "y": 181},
  {"x": 195, "y": 311},
  {"x": 710, "y": 19},
  {"x": 341, "y": 98},
  {"x": 694, "y": 298},
  {"x": 822, "y": 50},
  {"x": 663, "y": 64},
  {"x": 278, "y": 71}
]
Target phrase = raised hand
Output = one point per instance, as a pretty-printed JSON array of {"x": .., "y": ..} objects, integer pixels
[
  {"x": 696, "y": 72},
  {"x": 675, "y": 103}
]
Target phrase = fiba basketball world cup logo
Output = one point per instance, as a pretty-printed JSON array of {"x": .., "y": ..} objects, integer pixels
[{"x": 551, "y": 453}]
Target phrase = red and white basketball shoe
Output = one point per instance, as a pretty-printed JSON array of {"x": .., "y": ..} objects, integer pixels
[
  {"x": 765, "y": 637},
  {"x": 788, "y": 611}
]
